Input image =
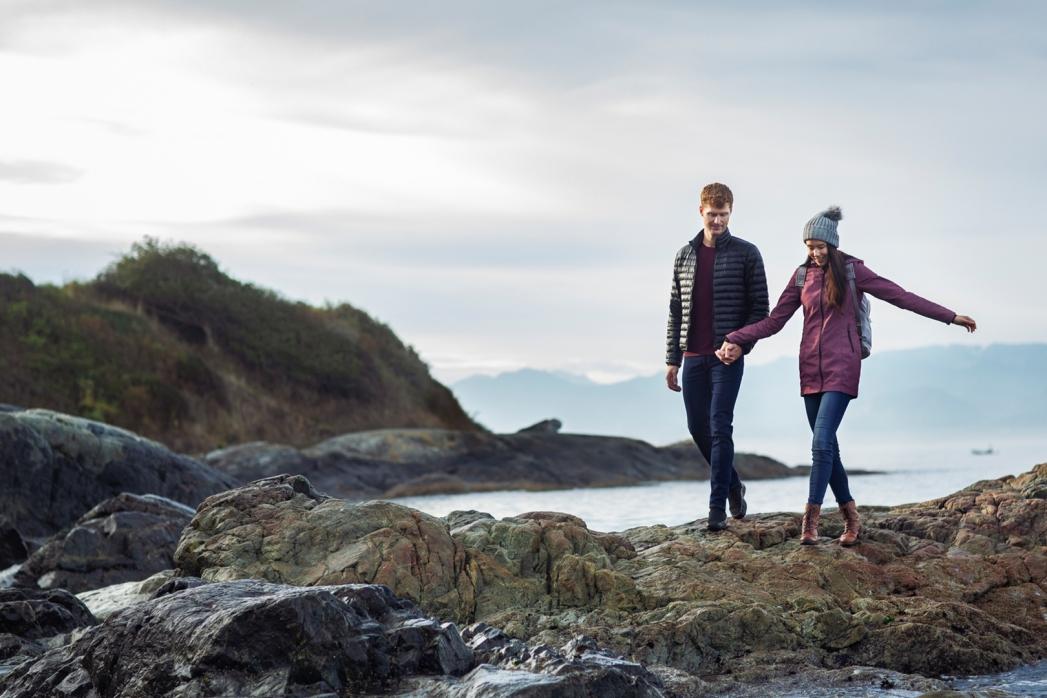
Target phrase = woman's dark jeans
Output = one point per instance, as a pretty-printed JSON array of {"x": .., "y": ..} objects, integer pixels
[
  {"x": 710, "y": 390},
  {"x": 825, "y": 412}
]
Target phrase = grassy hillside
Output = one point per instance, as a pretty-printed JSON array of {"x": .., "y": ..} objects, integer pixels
[{"x": 165, "y": 344}]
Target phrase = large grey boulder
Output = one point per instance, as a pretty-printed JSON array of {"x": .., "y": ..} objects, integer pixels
[
  {"x": 56, "y": 467},
  {"x": 124, "y": 539},
  {"x": 252, "y": 638}
]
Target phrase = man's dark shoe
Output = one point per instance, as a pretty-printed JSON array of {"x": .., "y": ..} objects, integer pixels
[
  {"x": 717, "y": 520},
  {"x": 736, "y": 502}
]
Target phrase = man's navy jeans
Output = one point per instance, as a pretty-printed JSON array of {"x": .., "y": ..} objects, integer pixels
[
  {"x": 824, "y": 413},
  {"x": 710, "y": 390}
]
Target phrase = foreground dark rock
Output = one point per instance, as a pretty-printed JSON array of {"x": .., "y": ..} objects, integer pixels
[
  {"x": 12, "y": 548},
  {"x": 125, "y": 538},
  {"x": 405, "y": 462},
  {"x": 255, "y": 638},
  {"x": 56, "y": 467},
  {"x": 30, "y": 616},
  {"x": 951, "y": 586}
]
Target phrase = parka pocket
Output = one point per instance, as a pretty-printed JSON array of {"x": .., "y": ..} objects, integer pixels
[{"x": 850, "y": 339}]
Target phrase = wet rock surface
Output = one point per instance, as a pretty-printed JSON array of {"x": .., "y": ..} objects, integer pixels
[
  {"x": 56, "y": 467},
  {"x": 255, "y": 638},
  {"x": 125, "y": 538},
  {"x": 106, "y": 601},
  {"x": 29, "y": 617},
  {"x": 404, "y": 462},
  {"x": 950, "y": 586}
]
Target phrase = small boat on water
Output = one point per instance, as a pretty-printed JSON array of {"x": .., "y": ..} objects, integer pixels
[{"x": 982, "y": 451}]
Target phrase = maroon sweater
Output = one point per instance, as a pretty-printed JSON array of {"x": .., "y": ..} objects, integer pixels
[
  {"x": 830, "y": 356},
  {"x": 700, "y": 336}
]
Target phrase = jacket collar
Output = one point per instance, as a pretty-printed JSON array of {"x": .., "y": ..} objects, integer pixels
[{"x": 721, "y": 241}]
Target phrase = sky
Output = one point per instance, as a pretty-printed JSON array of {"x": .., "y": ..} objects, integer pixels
[{"x": 506, "y": 184}]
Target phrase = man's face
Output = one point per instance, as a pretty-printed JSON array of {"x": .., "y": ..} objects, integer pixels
[{"x": 714, "y": 219}]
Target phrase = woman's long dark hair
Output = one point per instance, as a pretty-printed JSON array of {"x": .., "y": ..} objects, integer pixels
[{"x": 835, "y": 275}]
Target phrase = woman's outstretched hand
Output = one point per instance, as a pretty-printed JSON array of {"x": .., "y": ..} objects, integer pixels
[{"x": 967, "y": 323}]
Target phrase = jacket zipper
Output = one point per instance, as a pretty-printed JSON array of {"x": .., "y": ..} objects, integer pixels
[
  {"x": 849, "y": 340},
  {"x": 821, "y": 334}
]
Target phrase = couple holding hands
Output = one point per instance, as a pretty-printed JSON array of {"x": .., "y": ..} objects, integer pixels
[{"x": 718, "y": 310}]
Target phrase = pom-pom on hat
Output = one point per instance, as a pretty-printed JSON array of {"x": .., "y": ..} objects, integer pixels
[{"x": 823, "y": 227}]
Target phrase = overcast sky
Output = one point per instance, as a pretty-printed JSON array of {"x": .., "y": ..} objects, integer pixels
[{"x": 506, "y": 184}]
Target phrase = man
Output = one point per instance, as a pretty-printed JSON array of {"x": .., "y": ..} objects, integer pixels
[{"x": 718, "y": 287}]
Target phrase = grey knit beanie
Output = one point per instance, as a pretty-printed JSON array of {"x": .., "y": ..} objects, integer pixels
[{"x": 823, "y": 227}]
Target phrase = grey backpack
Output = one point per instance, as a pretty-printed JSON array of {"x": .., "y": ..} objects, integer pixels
[{"x": 862, "y": 320}]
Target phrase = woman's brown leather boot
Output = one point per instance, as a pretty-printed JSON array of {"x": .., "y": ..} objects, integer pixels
[
  {"x": 809, "y": 530},
  {"x": 851, "y": 525}
]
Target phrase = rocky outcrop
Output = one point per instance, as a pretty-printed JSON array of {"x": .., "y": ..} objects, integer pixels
[
  {"x": 750, "y": 466},
  {"x": 404, "y": 462},
  {"x": 474, "y": 570},
  {"x": 256, "y": 638},
  {"x": 955, "y": 585},
  {"x": 125, "y": 538},
  {"x": 546, "y": 426},
  {"x": 56, "y": 467}
]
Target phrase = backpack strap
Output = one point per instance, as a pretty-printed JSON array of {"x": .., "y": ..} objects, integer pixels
[
  {"x": 801, "y": 275},
  {"x": 854, "y": 298}
]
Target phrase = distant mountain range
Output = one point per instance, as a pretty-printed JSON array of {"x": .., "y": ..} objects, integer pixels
[{"x": 941, "y": 390}]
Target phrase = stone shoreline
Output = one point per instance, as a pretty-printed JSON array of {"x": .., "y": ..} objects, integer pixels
[{"x": 277, "y": 587}]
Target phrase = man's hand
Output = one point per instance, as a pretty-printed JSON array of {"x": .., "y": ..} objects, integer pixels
[
  {"x": 728, "y": 353},
  {"x": 670, "y": 378}
]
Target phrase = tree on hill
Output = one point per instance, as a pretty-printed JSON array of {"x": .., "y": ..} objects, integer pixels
[{"x": 165, "y": 343}]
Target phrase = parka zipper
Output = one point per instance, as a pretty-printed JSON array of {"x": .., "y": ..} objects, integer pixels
[{"x": 821, "y": 335}]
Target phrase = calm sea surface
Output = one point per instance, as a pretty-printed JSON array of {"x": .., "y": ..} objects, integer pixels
[{"x": 910, "y": 473}]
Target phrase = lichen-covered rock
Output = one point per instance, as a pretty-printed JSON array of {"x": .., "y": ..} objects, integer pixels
[
  {"x": 544, "y": 560},
  {"x": 282, "y": 530},
  {"x": 956, "y": 585},
  {"x": 55, "y": 467},
  {"x": 124, "y": 539}
]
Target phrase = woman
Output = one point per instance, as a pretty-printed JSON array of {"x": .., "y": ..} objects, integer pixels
[{"x": 830, "y": 353}]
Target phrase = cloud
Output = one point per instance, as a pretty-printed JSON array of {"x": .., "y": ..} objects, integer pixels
[
  {"x": 536, "y": 165},
  {"x": 38, "y": 172}
]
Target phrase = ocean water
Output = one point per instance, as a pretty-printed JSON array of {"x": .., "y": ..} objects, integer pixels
[
  {"x": 1030, "y": 680},
  {"x": 909, "y": 472}
]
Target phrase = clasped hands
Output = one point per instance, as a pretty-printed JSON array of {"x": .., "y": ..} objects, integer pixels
[{"x": 728, "y": 353}]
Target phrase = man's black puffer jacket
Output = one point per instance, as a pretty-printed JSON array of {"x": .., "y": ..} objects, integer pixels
[{"x": 739, "y": 292}]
